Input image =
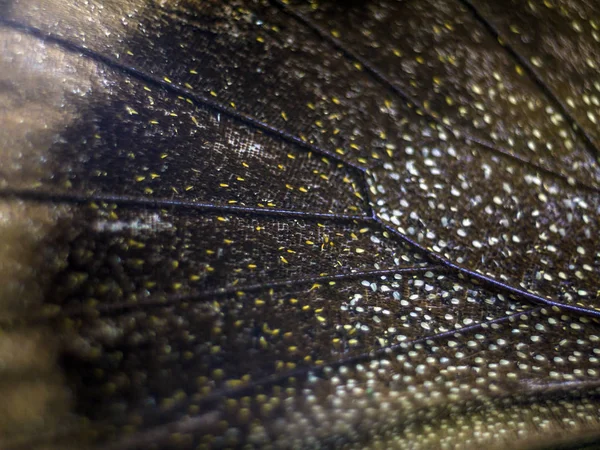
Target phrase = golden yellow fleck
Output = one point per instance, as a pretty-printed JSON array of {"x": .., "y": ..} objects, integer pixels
[
  {"x": 519, "y": 69},
  {"x": 136, "y": 244}
]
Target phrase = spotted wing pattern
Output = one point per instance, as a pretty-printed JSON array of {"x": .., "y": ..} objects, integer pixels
[
  {"x": 531, "y": 32},
  {"x": 296, "y": 225}
]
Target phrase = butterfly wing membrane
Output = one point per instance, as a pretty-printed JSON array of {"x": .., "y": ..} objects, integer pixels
[
  {"x": 530, "y": 31},
  {"x": 439, "y": 56},
  {"x": 248, "y": 210},
  {"x": 442, "y": 54}
]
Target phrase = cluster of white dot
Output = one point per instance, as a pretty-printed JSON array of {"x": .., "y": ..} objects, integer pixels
[
  {"x": 528, "y": 229},
  {"x": 490, "y": 378},
  {"x": 577, "y": 83},
  {"x": 445, "y": 59}
]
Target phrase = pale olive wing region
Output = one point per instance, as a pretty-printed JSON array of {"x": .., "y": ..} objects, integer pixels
[{"x": 308, "y": 225}]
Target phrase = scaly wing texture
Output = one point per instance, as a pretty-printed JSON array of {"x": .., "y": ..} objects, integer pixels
[{"x": 298, "y": 225}]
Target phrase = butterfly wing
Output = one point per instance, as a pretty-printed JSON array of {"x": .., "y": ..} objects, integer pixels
[{"x": 290, "y": 225}]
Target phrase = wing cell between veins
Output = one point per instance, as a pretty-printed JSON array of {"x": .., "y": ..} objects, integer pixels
[
  {"x": 342, "y": 318},
  {"x": 129, "y": 254},
  {"x": 134, "y": 140}
]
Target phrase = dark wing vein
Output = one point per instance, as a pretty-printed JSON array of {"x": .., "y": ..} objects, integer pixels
[
  {"x": 115, "y": 308},
  {"x": 487, "y": 279},
  {"x": 157, "y": 203}
]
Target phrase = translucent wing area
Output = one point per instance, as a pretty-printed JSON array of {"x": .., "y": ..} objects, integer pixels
[{"x": 285, "y": 225}]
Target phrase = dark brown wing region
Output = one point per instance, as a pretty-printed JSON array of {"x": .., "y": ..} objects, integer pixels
[{"x": 265, "y": 224}]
